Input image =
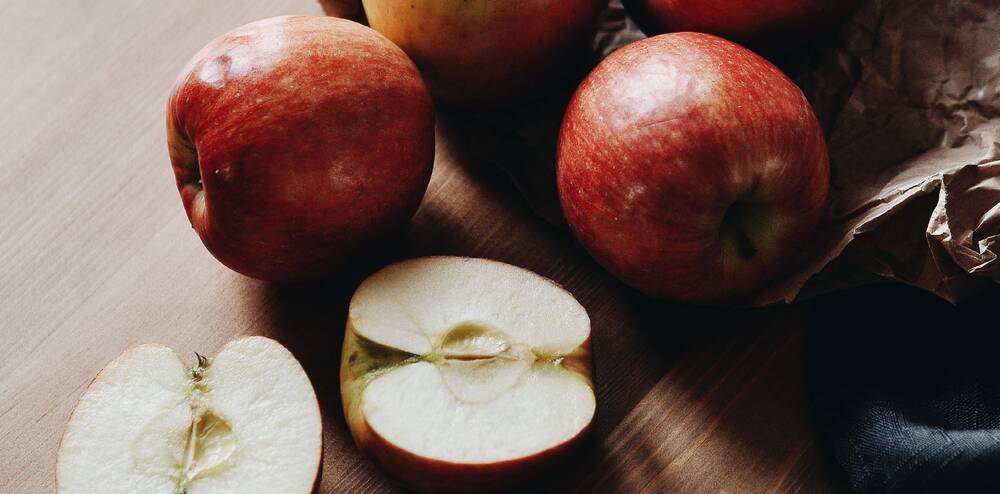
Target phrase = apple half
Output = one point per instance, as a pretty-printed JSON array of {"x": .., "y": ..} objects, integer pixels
[
  {"x": 465, "y": 375},
  {"x": 244, "y": 422}
]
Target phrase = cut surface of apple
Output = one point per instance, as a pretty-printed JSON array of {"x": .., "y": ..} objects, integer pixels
[
  {"x": 244, "y": 422},
  {"x": 461, "y": 374}
]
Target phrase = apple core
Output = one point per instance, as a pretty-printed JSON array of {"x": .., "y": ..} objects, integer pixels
[
  {"x": 204, "y": 448},
  {"x": 455, "y": 371},
  {"x": 246, "y": 421}
]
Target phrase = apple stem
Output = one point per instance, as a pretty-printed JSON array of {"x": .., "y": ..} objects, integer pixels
[
  {"x": 203, "y": 361},
  {"x": 198, "y": 371}
]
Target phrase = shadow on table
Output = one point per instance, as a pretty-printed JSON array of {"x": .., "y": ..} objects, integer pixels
[
  {"x": 729, "y": 412},
  {"x": 716, "y": 404}
]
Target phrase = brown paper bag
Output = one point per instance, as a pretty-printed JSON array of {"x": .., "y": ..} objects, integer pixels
[{"x": 909, "y": 93}]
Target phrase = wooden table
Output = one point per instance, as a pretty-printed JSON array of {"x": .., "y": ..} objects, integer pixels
[{"x": 96, "y": 254}]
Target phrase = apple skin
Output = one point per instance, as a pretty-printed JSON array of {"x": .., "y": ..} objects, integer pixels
[
  {"x": 745, "y": 20},
  {"x": 691, "y": 168},
  {"x": 345, "y": 9},
  {"x": 488, "y": 53},
  {"x": 421, "y": 474},
  {"x": 299, "y": 142}
]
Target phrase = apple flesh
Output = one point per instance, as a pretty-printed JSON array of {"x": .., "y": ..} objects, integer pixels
[
  {"x": 246, "y": 421},
  {"x": 691, "y": 168},
  {"x": 465, "y": 375},
  {"x": 298, "y": 143},
  {"x": 745, "y": 20},
  {"x": 488, "y": 53}
]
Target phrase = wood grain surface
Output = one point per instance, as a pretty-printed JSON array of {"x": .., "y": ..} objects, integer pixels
[{"x": 96, "y": 254}]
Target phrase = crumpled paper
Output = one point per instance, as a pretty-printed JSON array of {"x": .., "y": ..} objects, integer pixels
[{"x": 909, "y": 94}]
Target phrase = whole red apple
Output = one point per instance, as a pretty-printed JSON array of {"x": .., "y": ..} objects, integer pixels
[
  {"x": 488, "y": 53},
  {"x": 747, "y": 20},
  {"x": 691, "y": 168},
  {"x": 298, "y": 142}
]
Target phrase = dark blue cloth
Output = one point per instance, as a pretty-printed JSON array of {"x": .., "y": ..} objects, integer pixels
[{"x": 907, "y": 388}]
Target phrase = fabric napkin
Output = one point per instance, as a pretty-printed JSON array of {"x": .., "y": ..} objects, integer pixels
[{"x": 907, "y": 388}]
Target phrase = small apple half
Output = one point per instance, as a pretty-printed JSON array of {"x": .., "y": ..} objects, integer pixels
[
  {"x": 465, "y": 375},
  {"x": 244, "y": 422}
]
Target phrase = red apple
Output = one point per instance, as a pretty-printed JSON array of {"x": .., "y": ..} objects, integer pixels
[
  {"x": 466, "y": 375},
  {"x": 345, "y": 9},
  {"x": 298, "y": 142},
  {"x": 488, "y": 52},
  {"x": 691, "y": 168},
  {"x": 738, "y": 19}
]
